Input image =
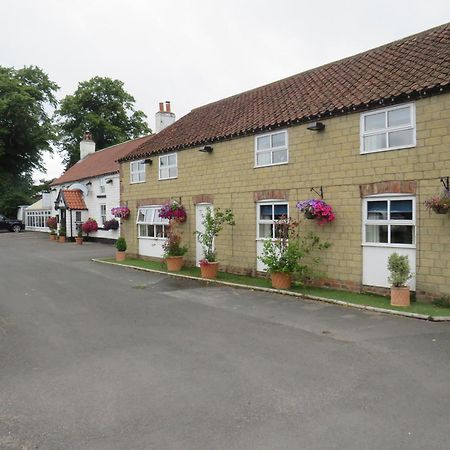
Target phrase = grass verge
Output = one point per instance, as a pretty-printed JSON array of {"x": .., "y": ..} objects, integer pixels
[{"x": 368, "y": 299}]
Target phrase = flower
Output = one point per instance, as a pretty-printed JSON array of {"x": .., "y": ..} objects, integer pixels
[
  {"x": 204, "y": 262},
  {"x": 52, "y": 223},
  {"x": 89, "y": 226},
  {"x": 111, "y": 225},
  {"x": 121, "y": 212},
  {"x": 440, "y": 203},
  {"x": 172, "y": 210},
  {"x": 317, "y": 209},
  {"x": 172, "y": 246}
]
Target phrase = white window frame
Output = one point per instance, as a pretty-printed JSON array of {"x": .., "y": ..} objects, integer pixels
[
  {"x": 387, "y": 129},
  {"x": 271, "y": 150},
  {"x": 102, "y": 216},
  {"x": 102, "y": 186},
  {"x": 260, "y": 221},
  {"x": 154, "y": 220},
  {"x": 137, "y": 168},
  {"x": 167, "y": 166},
  {"x": 389, "y": 222}
]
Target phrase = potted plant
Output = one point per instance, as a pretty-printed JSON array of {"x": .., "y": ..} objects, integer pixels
[
  {"x": 121, "y": 247},
  {"x": 121, "y": 212},
  {"x": 440, "y": 204},
  {"x": 172, "y": 210},
  {"x": 284, "y": 256},
  {"x": 89, "y": 226},
  {"x": 213, "y": 224},
  {"x": 112, "y": 224},
  {"x": 398, "y": 266},
  {"x": 52, "y": 224},
  {"x": 173, "y": 250},
  {"x": 79, "y": 238},
  {"x": 318, "y": 210},
  {"x": 62, "y": 234}
]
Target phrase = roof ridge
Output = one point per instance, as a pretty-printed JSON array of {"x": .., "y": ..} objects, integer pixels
[{"x": 314, "y": 69}]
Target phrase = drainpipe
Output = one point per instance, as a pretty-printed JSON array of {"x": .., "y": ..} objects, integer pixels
[{"x": 71, "y": 226}]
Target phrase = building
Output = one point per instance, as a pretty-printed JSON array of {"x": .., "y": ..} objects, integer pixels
[
  {"x": 371, "y": 132},
  {"x": 36, "y": 215},
  {"x": 90, "y": 188}
]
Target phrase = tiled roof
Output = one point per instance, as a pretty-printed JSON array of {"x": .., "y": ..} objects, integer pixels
[
  {"x": 101, "y": 162},
  {"x": 412, "y": 66},
  {"x": 73, "y": 199}
]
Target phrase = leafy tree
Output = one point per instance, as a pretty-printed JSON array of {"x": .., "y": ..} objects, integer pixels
[
  {"x": 26, "y": 131},
  {"x": 103, "y": 107}
]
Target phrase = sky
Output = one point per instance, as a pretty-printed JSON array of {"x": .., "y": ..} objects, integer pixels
[{"x": 196, "y": 52}]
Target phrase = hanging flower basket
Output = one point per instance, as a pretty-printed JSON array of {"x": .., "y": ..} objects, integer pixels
[
  {"x": 121, "y": 212},
  {"x": 318, "y": 210},
  {"x": 440, "y": 204},
  {"x": 172, "y": 210}
]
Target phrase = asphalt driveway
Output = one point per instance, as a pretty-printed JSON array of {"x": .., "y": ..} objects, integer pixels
[{"x": 103, "y": 357}]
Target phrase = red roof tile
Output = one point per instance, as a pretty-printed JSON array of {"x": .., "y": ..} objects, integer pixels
[
  {"x": 73, "y": 199},
  {"x": 101, "y": 162},
  {"x": 411, "y": 66}
]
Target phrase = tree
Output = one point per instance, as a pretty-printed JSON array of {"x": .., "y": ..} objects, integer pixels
[
  {"x": 26, "y": 130},
  {"x": 103, "y": 107}
]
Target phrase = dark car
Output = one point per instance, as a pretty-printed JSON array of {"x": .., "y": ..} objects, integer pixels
[{"x": 11, "y": 224}]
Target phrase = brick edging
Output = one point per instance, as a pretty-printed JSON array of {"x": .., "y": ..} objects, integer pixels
[{"x": 289, "y": 293}]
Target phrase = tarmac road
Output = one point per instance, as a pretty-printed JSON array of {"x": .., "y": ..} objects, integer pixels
[{"x": 103, "y": 357}]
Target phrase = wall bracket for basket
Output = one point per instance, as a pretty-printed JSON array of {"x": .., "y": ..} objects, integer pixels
[
  {"x": 445, "y": 182},
  {"x": 320, "y": 193}
]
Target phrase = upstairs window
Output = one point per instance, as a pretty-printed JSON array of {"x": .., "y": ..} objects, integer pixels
[
  {"x": 271, "y": 149},
  {"x": 168, "y": 166},
  {"x": 388, "y": 129},
  {"x": 150, "y": 225},
  {"x": 137, "y": 171},
  {"x": 102, "y": 186}
]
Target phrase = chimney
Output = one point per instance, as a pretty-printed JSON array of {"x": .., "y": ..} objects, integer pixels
[
  {"x": 87, "y": 145},
  {"x": 164, "y": 117}
]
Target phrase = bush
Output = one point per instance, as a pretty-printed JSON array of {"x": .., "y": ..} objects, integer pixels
[
  {"x": 443, "y": 302},
  {"x": 398, "y": 266},
  {"x": 52, "y": 223},
  {"x": 121, "y": 244},
  {"x": 89, "y": 226},
  {"x": 172, "y": 246},
  {"x": 62, "y": 231}
]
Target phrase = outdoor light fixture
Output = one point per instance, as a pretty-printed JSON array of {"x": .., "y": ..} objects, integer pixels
[
  {"x": 206, "y": 149},
  {"x": 88, "y": 183},
  {"x": 109, "y": 180},
  {"x": 148, "y": 161},
  {"x": 316, "y": 126}
]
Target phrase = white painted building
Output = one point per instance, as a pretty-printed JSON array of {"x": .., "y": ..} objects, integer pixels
[{"x": 35, "y": 216}]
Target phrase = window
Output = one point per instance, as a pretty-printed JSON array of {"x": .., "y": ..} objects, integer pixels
[
  {"x": 150, "y": 225},
  {"x": 271, "y": 149},
  {"x": 102, "y": 214},
  {"x": 388, "y": 129},
  {"x": 268, "y": 214},
  {"x": 102, "y": 185},
  {"x": 390, "y": 221},
  {"x": 77, "y": 216},
  {"x": 137, "y": 171},
  {"x": 168, "y": 166}
]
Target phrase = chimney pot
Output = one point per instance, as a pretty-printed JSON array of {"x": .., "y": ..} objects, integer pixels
[
  {"x": 161, "y": 106},
  {"x": 87, "y": 136},
  {"x": 167, "y": 106}
]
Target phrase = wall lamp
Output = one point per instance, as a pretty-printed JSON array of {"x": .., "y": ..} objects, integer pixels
[
  {"x": 148, "y": 161},
  {"x": 88, "y": 183},
  {"x": 109, "y": 180},
  {"x": 206, "y": 149},
  {"x": 316, "y": 126}
]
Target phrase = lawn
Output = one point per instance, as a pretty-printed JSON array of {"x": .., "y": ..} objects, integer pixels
[{"x": 368, "y": 299}]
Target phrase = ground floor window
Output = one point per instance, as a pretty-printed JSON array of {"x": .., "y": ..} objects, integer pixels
[
  {"x": 149, "y": 224},
  {"x": 389, "y": 221},
  {"x": 102, "y": 214},
  {"x": 267, "y": 215},
  {"x": 37, "y": 219}
]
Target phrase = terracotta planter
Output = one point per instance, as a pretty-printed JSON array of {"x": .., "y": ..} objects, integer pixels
[
  {"x": 400, "y": 296},
  {"x": 79, "y": 240},
  {"x": 53, "y": 237},
  {"x": 120, "y": 256},
  {"x": 174, "y": 263},
  {"x": 62, "y": 239},
  {"x": 281, "y": 280},
  {"x": 209, "y": 271}
]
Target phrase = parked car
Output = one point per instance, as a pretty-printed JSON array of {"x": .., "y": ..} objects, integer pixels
[{"x": 11, "y": 224}]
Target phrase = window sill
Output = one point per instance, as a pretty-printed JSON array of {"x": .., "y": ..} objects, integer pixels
[
  {"x": 384, "y": 245},
  {"x": 169, "y": 178},
  {"x": 271, "y": 165},
  {"x": 362, "y": 152},
  {"x": 137, "y": 182},
  {"x": 152, "y": 238}
]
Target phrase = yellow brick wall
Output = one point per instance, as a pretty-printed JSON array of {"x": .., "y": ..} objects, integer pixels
[{"x": 330, "y": 159}]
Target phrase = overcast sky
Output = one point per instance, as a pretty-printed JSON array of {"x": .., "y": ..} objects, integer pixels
[{"x": 195, "y": 52}]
